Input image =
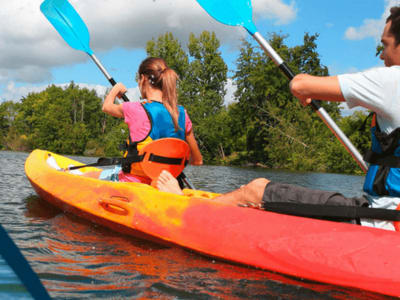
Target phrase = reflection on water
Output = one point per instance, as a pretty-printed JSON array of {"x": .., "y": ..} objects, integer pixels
[{"x": 76, "y": 259}]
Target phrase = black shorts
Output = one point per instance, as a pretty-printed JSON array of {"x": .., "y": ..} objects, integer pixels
[
  {"x": 282, "y": 192},
  {"x": 295, "y": 196}
]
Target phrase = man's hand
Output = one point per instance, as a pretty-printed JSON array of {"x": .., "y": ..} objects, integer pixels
[{"x": 305, "y": 101}]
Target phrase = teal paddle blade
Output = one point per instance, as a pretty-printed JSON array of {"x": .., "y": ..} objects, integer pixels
[
  {"x": 68, "y": 23},
  {"x": 231, "y": 12}
]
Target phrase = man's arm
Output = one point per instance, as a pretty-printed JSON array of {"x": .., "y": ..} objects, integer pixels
[{"x": 306, "y": 87}]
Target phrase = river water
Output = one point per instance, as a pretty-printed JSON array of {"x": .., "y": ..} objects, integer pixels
[{"x": 76, "y": 259}]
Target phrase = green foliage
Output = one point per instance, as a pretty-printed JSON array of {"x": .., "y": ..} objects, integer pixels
[
  {"x": 204, "y": 92},
  {"x": 169, "y": 48},
  {"x": 265, "y": 125},
  {"x": 279, "y": 132},
  {"x": 201, "y": 87},
  {"x": 8, "y": 110},
  {"x": 114, "y": 138},
  {"x": 57, "y": 119},
  {"x": 379, "y": 49}
]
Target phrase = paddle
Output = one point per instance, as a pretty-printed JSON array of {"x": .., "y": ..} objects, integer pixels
[
  {"x": 240, "y": 13},
  {"x": 13, "y": 256},
  {"x": 73, "y": 30}
]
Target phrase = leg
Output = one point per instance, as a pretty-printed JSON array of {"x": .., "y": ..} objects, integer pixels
[
  {"x": 249, "y": 195},
  {"x": 289, "y": 193}
]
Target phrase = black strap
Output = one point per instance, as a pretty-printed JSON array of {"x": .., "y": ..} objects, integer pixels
[
  {"x": 181, "y": 180},
  {"x": 110, "y": 161},
  {"x": 133, "y": 158},
  {"x": 102, "y": 161},
  {"x": 165, "y": 160},
  {"x": 388, "y": 144},
  {"x": 381, "y": 159},
  {"x": 364, "y": 123},
  {"x": 332, "y": 211}
]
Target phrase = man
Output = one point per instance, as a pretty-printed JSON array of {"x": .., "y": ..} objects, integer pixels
[{"x": 377, "y": 90}]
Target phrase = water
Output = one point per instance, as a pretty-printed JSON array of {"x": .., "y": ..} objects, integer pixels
[{"x": 76, "y": 259}]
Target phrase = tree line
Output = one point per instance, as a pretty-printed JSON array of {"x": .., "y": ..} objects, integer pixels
[{"x": 265, "y": 125}]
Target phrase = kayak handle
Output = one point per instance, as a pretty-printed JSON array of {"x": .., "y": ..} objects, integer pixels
[{"x": 115, "y": 205}]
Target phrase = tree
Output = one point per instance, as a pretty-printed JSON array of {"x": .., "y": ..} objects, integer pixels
[
  {"x": 60, "y": 120},
  {"x": 357, "y": 128},
  {"x": 204, "y": 89},
  {"x": 8, "y": 110},
  {"x": 259, "y": 82},
  {"x": 265, "y": 124},
  {"x": 278, "y": 131},
  {"x": 168, "y": 48},
  {"x": 208, "y": 75},
  {"x": 201, "y": 88}
]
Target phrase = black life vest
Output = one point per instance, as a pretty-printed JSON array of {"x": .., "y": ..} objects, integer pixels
[{"x": 383, "y": 176}]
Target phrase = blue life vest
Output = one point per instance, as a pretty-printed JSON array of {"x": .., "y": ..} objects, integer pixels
[
  {"x": 161, "y": 126},
  {"x": 383, "y": 176},
  {"x": 161, "y": 121}
]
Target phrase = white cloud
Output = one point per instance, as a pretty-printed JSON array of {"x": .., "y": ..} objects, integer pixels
[
  {"x": 30, "y": 46},
  {"x": 230, "y": 91},
  {"x": 275, "y": 9},
  {"x": 371, "y": 27},
  {"x": 16, "y": 93}
]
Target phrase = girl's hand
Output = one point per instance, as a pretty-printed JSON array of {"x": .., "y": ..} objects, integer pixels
[{"x": 119, "y": 89}]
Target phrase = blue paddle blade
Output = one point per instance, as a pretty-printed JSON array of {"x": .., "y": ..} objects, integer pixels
[
  {"x": 68, "y": 23},
  {"x": 231, "y": 12}
]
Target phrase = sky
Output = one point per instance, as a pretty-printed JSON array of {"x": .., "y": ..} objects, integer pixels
[{"x": 33, "y": 55}]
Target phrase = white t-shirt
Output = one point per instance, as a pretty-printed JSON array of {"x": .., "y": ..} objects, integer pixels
[{"x": 378, "y": 90}]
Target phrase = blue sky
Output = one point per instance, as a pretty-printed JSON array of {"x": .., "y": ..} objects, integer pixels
[{"x": 33, "y": 55}]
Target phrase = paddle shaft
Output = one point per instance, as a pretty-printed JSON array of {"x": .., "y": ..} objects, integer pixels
[
  {"x": 314, "y": 104},
  {"x": 187, "y": 181},
  {"x": 106, "y": 74}
]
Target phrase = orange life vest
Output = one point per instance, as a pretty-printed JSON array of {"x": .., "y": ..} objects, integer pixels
[
  {"x": 169, "y": 154},
  {"x": 164, "y": 147}
]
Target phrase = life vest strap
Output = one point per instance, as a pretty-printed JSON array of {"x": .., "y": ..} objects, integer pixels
[
  {"x": 134, "y": 158},
  {"x": 170, "y": 154},
  {"x": 166, "y": 160},
  {"x": 382, "y": 159}
]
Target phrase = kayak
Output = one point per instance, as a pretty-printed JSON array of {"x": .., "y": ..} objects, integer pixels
[{"x": 330, "y": 252}]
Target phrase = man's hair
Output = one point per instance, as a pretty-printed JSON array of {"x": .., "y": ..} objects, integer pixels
[{"x": 395, "y": 26}]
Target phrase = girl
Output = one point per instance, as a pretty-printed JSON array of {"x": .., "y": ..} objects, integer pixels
[{"x": 159, "y": 117}]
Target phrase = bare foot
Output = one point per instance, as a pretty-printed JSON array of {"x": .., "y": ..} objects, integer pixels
[{"x": 168, "y": 183}]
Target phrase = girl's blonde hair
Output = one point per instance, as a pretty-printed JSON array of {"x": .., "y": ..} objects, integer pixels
[{"x": 161, "y": 77}]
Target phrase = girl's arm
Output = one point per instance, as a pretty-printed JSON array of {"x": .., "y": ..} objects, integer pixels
[
  {"x": 195, "y": 156},
  {"x": 109, "y": 107}
]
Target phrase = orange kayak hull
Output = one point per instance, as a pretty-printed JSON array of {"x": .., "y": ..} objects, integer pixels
[{"x": 330, "y": 252}]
